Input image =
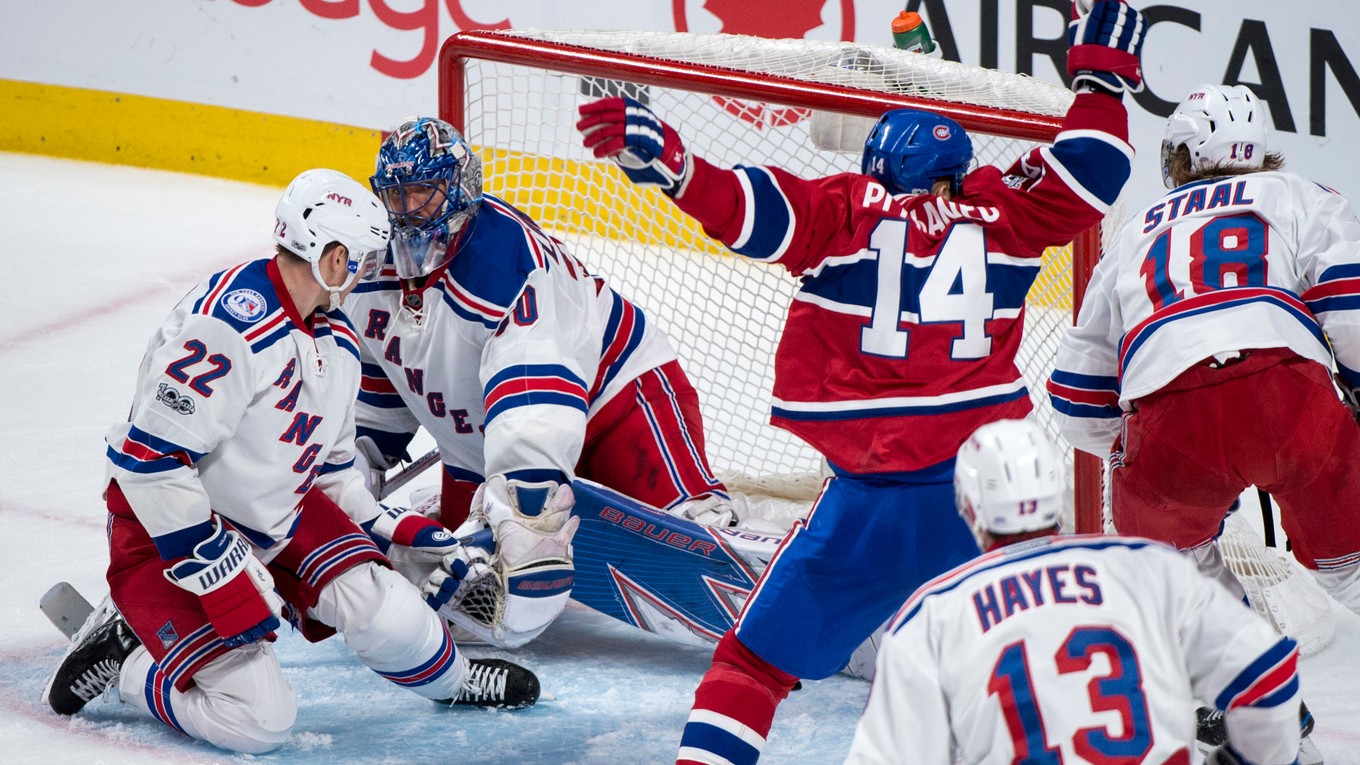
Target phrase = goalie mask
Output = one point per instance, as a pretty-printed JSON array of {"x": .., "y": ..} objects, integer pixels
[
  {"x": 1008, "y": 479},
  {"x": 1220, "y": 127},
  {"x": 324, "y": 206},
  {"x": 907, "y": 150},
  {"x": 431, "y": 182}
]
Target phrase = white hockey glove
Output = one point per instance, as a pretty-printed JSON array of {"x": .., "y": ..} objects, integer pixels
[
  {"x": 648, "y": 150},
  {"x": 372, "y": 464},
  {"x": 459, "y": 565},
  {"x": 533, "y": 527},
  {"x": 1105, "y": 41},
  {"x": 235, "y": 588},
  {"x": 711, "y": 510}
]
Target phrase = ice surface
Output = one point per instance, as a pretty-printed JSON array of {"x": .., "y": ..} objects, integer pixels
[{"x": 94, "y": 256}]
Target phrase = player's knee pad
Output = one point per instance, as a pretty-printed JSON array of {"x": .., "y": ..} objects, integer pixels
[
  {"x": 370, "y": 605},
  {"x": 245, "y": 691},
  {"x": 387, "y": 624},
  {"x": 240, "y": 701}
]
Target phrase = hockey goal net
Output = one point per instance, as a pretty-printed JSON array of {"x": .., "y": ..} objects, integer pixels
[
  {"x": 802, "y": 105},
  {"x": 734, "y": 99}
]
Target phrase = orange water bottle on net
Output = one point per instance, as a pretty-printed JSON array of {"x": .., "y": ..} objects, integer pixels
[{"x": 910, "y": 33}]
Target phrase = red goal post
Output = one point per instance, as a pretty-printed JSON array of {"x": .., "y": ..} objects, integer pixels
[{"x": 513, "y": 95}]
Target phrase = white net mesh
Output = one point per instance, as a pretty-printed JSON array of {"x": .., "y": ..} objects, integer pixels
[{"x": 723, "y": 313}]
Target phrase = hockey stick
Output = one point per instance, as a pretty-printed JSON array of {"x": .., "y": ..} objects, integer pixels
[
  {"x": 65, "y": 608},
  {"x": 409, "y": 472},
  {"x": 1267, "y": 517}
]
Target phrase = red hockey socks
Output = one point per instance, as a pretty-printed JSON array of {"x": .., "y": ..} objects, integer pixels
[{"x": 733, "y": 707}]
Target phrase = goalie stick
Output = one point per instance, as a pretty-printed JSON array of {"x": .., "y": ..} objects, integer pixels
[
  {"x": 409, "y": 472},
  {"x": 66, "y": 608}
]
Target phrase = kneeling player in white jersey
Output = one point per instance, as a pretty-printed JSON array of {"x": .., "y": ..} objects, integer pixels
[
  {"x": 1066, "y": 649},
  {"x": 234, "y": 503},
  {"x": 1201, "y": 361},
  {"x": 526, "y": 369}
]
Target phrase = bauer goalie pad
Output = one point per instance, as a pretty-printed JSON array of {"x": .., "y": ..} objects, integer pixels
[
  {"x": 660, "y": 573},
  {"x": 670, "y": 576}
]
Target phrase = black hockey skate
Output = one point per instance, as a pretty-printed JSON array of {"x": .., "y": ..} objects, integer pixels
[
  {"x": 92, "y": 664},
  {"x": 497, "y": 683}
]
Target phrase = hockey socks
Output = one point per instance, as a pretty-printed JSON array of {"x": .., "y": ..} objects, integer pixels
[{"x": 733, "y": 707}]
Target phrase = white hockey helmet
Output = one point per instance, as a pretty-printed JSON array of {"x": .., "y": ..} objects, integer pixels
[
  {"x": 1220, "y": 126},
  {"x": 1008, "y": 479},
  {"x": 323, "y": 206}
]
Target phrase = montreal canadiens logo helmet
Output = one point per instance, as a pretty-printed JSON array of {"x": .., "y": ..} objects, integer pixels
[
  {"x": 244, "y": 304},
  {"x": 941, "y": 132}
]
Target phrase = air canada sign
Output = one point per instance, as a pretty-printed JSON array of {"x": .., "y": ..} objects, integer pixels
[{"x": 791, "y": 19}]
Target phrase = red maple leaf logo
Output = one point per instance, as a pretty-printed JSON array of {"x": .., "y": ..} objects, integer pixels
[{"x": 789, "y": 19}]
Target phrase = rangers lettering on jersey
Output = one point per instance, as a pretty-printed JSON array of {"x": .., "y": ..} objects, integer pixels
[
  {"x": 528, "y": 376},
  {"x": 234, "y": 340}
]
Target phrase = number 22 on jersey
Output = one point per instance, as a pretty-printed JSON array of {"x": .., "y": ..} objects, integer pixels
[{"x": 954, "y": 292}]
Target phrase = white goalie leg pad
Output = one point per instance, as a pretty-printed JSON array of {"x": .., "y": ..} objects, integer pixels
[
  {"x": 1341, "y": 582},
  {"x": 385, "y": 621},
  {"x": 766, "y": 514},
  {"x": 240, "y": 701}
]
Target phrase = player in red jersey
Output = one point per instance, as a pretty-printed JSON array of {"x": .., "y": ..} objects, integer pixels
[{"x": 899, "y": 344}]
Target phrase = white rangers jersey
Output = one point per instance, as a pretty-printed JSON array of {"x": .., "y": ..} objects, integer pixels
[
  {"x": 1266, "y": 260},
  {"x": 241, "y": 406},
  {"x": 1075, "y": 649},
  {"x": 514, "y": 347}
]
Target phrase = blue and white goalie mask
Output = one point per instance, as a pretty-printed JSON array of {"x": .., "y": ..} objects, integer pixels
[{"x": 431, "y": 183}]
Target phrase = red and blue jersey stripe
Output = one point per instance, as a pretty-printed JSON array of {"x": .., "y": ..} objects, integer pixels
[
  {"x": 1218, "y": 300},
  {"x": 1269, "y": 681},
  {"x": 1078, "y": 395},
  {"x": 142, "y": 452},
  {"x": 533, "y": 384}
]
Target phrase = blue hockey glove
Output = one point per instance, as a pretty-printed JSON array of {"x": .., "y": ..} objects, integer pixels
[
  {"x": 1105, "y": 39},
  {"x": 648, "y": 150},
  {"x": 460, "y": 570}
]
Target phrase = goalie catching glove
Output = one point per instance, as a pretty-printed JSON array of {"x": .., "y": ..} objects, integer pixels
[
  {"x": 1105, "y": 41},
  {"x": 460, "y": 565},
  {"x": 235, "y": 588},
  {"x": 648, "y": 150},
  {"x": 532, "y": 527}
]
